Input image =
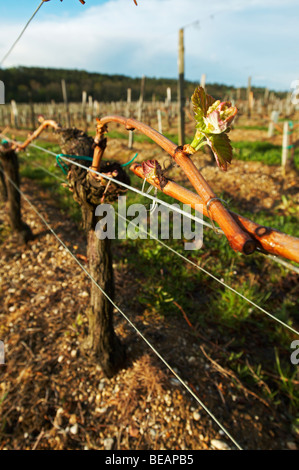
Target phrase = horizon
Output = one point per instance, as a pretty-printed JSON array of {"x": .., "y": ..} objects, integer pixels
[
  {"x": 146, "y": 42},
  {"x": 146, "y": 77}
]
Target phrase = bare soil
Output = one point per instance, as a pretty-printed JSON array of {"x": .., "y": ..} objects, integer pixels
[{"x": 52, "y": 396}]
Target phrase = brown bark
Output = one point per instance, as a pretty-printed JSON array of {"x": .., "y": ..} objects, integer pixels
[
  {"x": 102, "y": 342},
  {"x": 10, "y": 165},
  {"x": 270, "y": 240},
  {"x": 237, "y": 238},
  {"x": 36, "y": 133},
  {"x": 3, "y": 188}
]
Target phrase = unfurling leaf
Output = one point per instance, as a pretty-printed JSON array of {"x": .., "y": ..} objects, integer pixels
[
  {"x": 219, "y": 117},
  {"x": 213, "y": 119},
  {"x": 201, "y": 102},
  {"x": 151, "y": 169}
]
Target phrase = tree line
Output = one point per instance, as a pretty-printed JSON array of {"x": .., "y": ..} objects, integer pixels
[{"x": 42, "y": 85}]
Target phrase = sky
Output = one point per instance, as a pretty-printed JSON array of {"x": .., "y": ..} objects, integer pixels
[{"x": 228, "y": 41}]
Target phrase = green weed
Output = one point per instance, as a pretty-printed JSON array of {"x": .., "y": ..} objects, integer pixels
[{"x": 163, "y": 278}]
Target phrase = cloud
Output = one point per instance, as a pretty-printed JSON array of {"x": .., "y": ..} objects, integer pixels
[{"x": 117, "y": 37}]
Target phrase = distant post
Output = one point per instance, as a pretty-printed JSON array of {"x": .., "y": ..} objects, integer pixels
[
  {"x": 203, "y": 81},
  {"x": 249, "y": 97},
  {"x": 32, "y": 115},
  {"x": 2, "y": 92},
  {"x": 159, "y": 117},
  {"x": 14, "y": 114},
  {"x": 141, "y": 98},
  {"x": 131, "y": 139},
  {"x": 266, "y": 96},
  {"x": 273, "y": 120},
  {"x": 129, "y": 99},
  {"x": 181, "y": 99},
  {"x": 250, "y": 103},
  {"x": 168, "y": 96},
  {"x": 288, "y": 104},
  {"x": 287, "y": 144},
  {"x": 84, "y": 114},
  {"x": 96, "y": 107},
  {"x": 89, "y": 116},
  {"x": 129, "y": 96}
]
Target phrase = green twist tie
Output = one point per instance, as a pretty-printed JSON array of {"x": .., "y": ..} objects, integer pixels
[
  {"x": 130, "y": 161},
  {"x": 63, "y": 166}
]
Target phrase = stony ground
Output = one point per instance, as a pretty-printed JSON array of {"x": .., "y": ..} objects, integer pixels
[{"x": 52, "y": 396}]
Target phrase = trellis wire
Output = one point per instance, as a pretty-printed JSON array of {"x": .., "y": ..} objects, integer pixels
[
  {"x": 165, "y": 245},
  {"x": 284, "y": 263},
  {"x": 189, "y": 261},
  {"x": 21, "y": 34},
  {"x": 288, "y": 265},
  {"x": 138, "y": 191},
  {"x": 50, "y": 173},
  {"x": 274, "y": 258},
  {"x": 125, "y": 317},
  {"x": 211, "y": 275},
  {"x": 172, "y": 249},
  {"x": 277, "y": 260}
]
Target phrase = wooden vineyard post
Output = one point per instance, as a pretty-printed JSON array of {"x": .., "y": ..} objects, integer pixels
[
  {"x": 10, "y": 167},
  {"x": 168, "y": 96},
  {"x": 159, "y": 117},
  {"x": 141, "y": 98},
  {"x": 167, "y": 109},
  {"x": 129, "y": 99},
  {"x": 64, "y": 94},
  {"x": 2, "y": 92},
  {"x": 84, "y": 114},
  {"x": 181, "y": 99},
  {"x": 130, "y": 139},
  {"x": 90, "y": 111},
  {"x": 102, "y": 342},
  {"x": 266, "y": 96},
  {"x": 287, "y": 145},
  {"x": 288, "y": 105},
  {"x": 273, "y": 120},
  {"x": 32, "y": 114},
  {"x": 259, "y": 108},
  {"x": 250, "y": 103},
  {"x": 249, "y": 97},
  {"x": 271, "y": 129},
  {"x": 14, "y": 114}
]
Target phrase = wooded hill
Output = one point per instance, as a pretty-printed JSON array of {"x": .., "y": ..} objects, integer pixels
[{"x": 44, "y": 84}]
